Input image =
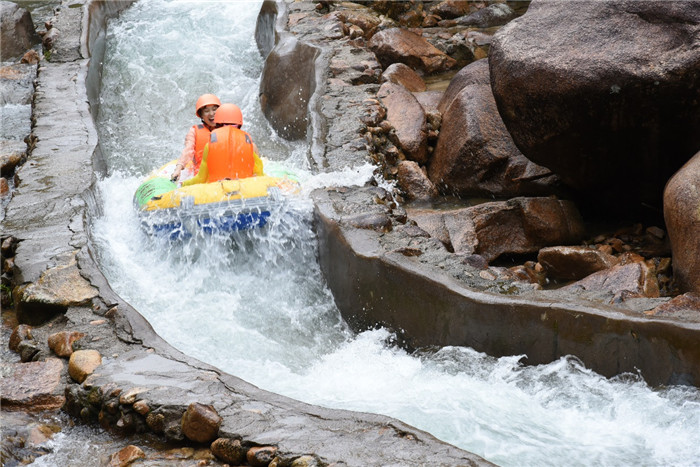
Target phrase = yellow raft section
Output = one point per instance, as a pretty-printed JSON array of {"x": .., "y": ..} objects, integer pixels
[{"x": 223, "y": 190}]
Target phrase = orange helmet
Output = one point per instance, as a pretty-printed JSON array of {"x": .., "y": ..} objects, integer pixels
[
  {"x": 228, "y": 113},
  {"x": 205, "y": 100}
]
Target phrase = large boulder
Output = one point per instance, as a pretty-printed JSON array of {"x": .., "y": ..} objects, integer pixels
[
  {"x": 475, "y": 155},
  {"x": 17, "y": 33},
  {"x": 403, "y": 46},
  {"x": 284, "y": 97},
  {"x": 682, "y": 215},
  {"x": 606, "y": 94}
]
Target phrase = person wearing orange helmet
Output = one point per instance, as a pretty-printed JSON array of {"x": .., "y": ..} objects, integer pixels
[
  {"x": 198, "y": 136},
  {"x": 230, "y": 153}
]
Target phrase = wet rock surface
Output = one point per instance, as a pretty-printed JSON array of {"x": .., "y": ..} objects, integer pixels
[{"x": 399, "y": 269}]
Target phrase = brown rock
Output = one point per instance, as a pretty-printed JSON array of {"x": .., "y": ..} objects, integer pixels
[
  {"x": 367, "y": 22},
  {"x": 685, "y": 307},
  {"x": 284, "y": 97},
  {"x": 20, "y": 333},
  {"x": 58, "y": 288},
  {"x": 141, "y": 407},
  {"x": 613, "y": 115},
  {"x": 33, "y": 386},
  {"x": 31, "y": 57},
  {"x": 4, "y": 187},
  {"x": 474, "y": 73},
  {"x": 430, "y": 100},
  {"x": 229, "y": 450},
  {"x": 129, "y": 397},
  {"x": 61, "y": 343},
  {"x": 516, "y": 226},
  {"x": 261, "y": 456},
  {"x": 408, "y": 118},
  {"x": 496, "y": 14},
  {"x": 126, "y": 456},
  {"x": 403, "y": 46},
  {"x": 682, "y": 216},
  {"x": 403, "y": 74},
  {"x": 82, "y": 363},
  {"x": 200, "y": 423},
  {"x": 156, "y": 422},
  {"x": 414, "y": 182},
  {"x": 573, "y": 262},
  {"x": 634, "y": 279},
  {"x": 449, "y": 9},
  {"x": 305, "y": 461},
  {"x": 474, "y": 154},
  {"x": 17, "y": 33}
]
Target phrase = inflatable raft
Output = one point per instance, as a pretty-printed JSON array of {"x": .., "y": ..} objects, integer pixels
[{"x": 164, "y": 208}]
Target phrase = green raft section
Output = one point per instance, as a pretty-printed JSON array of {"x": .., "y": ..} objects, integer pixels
[{"x": 152, "y": 188}]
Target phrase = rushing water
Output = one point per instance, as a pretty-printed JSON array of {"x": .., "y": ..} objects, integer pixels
[{"x": 256, "y": 305}]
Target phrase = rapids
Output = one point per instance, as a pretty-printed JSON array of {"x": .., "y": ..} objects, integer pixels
[{"x": 256, "y": 306}]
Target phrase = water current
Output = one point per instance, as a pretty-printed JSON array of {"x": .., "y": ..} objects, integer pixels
[{"x": 255, "y": 305}]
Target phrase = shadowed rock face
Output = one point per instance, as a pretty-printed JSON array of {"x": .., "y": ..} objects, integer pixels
[
  {"x": 682, "y": 213},
  {"x": 17, "y": 33},
  {"x": 586, "y": 92}
]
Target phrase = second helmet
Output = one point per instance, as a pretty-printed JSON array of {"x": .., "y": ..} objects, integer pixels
[{"x": 228, "y": 113}]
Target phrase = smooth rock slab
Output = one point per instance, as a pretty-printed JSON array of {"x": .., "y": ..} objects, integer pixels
[{"x": 32, "y": 386}]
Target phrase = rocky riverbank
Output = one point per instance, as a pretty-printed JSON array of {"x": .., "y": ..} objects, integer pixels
[
  {"x": 428, "y": 265},
  {"x": 537, "y": 271}
]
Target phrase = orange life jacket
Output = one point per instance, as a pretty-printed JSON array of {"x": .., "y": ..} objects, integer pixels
[
  {"x": 230, "y": 154},
  {"x": 201, "y": 138}
]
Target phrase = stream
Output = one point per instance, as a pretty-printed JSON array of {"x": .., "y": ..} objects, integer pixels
[{"x": 255, "y": 304}]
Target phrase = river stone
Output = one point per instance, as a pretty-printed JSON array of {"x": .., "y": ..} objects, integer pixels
[
  {"x": 229, "y": 450},
  {"x": 685, "y": 307},
  {"x": 573, "y": 262},
  {"x": 82, "y": 363},
  {"x": 200, "y": 423},
  {"x": 11, "y": 154},
  {"x": 585, "y": 92},
  {"x": 33, "y": 386},
  {"x": 261, "y": 456},
  {"x": 305, "y": 461},
  {"x": 61, "y": 343},
  {"x": 403, "y": 74},
  {"x": 20, "y": 333},
  {"x": 634, "y": 279},
  {"x": 414, "y": 182},
  {"x": 17, "y": 33},
  {"x": 126, "y": 456},
  {"x": 400, "y": 45},
  {"x": 408, "y": 118},
  {"x": 682, "y": 215}
]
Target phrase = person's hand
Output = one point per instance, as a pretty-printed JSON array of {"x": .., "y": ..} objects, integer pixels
[{"x": 176, "y": 172}]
